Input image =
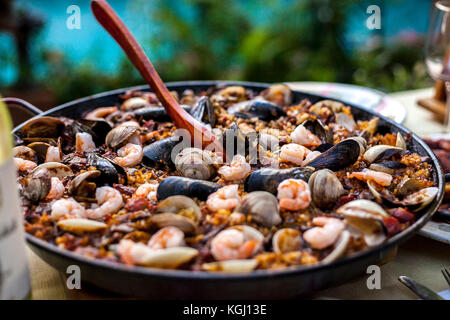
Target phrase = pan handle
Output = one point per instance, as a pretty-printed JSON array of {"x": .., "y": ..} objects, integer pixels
[{"x": 20, "y": 110}]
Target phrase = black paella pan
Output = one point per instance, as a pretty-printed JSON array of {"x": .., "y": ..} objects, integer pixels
[{"x": 260, "y": 284}]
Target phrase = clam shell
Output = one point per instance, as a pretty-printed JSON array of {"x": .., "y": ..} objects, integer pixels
[
  {"x": 168, "y": 258},
  {"x": 42, "y": 127},
  {"x": 375, "y": 153},
  {"x": 174, "y": 204},
  {"x": 263, "y": 206},
  {"x": 231, "y": 266},
  {"x": 400, "y": 141},
  {"x": 25, "y": 153},
  {"x": 185, "y": 224},
  {"x": 118, "y": 136},
  {"x": 55, "y": 169},
  {"x": 79, "y": 226},
  {"x": 286, "y": 240},
  {"x": 325, "y": 188},
  {"x": 194, "y": 163}
]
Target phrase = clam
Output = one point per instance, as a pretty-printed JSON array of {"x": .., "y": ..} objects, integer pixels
[
  {"x": 204, "y": 111},
  {"x": 40, "y": 149},
  {"x": 191, "y": 188},
  {"x": 268, "y": 179},
  {"x": 420, "y": 199},
  {"x": 195, "y": 163},
  {"x": 158, "y": 154},
  {"x": 319, "y": 129},
  {"x": 80, "y": 226},
  {"x": 42, "y": 127},
  {"x": 120, "y": 135},
  {"x": 233, "y": 93},
  {"x": 339, "y": 249},
  {"x": 380, "y": 152},
  {"x": 279, "y": 93},
  {"x": 231, "y": 266},
  {"x": 25, "y": 153},
  {"x": 286, "y": 240},
  {"x": 177, "y": 211},
  {"x": 168, "y": 258},
  {"x": 409, "y": 185},
  {"x": 262, "y": 206},
  {"x": 257, "y": 108},
  {"x": 134, "y": 103},
  {"x": 339, "y": 157},
  {"x": 333, "y": 105},
  {"x": 83, "y": 186},
  {"x": 55, "y": 169},
  {"x": 37, "y": 184},
  {"x": 325, "y": 188},
  {"x": 366, "y": 217}
]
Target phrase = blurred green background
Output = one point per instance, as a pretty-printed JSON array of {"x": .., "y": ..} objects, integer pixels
[{"x": 268, "y": 41}]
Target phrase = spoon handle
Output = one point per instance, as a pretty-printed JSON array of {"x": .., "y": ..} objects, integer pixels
[{"x": 108, "y": 18}]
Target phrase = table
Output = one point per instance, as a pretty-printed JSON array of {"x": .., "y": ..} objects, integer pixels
[{"x": 419, "y": 257}]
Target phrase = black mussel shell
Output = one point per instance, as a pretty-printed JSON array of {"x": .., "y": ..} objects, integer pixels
[
  {"x": 98, "y": 129},
  {"x": 204, "y": 111},
  {"x": 236, "y": 142},
  {"x": 268, "y": 179},
  {"x": 324, "y": 147},
  {"x": 158, "y": 154},
  {"x": 318, "y": 129},
  {"x": 339, "y": 157},
  {"x": 155, "y": 113},
  {"x": 109, "y": 170},
  {"x": 192, "y": 188},
  {"x": 260, "y": 109}
]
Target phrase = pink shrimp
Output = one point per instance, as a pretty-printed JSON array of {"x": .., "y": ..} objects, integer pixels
[
  {"x": 293, "y": 152},
  {"x": 129, "y": 155},
  {"x": 325, "y": 234},
  {"x": 110, "y": 201},
  {"x": 53, "y": 154},
  {"x": 237, "y": 170},
  {"x": 231, "y": 244},
  {"x": 84, "y": 142},
  {"x": 382, "y": 178},
  {"x": 147, "y": 190},
  {"x": 132, "y": 253},
  {"x": 100, "y": 113},
  {"x": 225, "y": 198},
  {"x": 310, "y": 157},
  {"x": 56, "y": 190},
  {"x": 167, "y": 237},
  {"x": 24, "y": 165},
  {"x": 294, "y": 194},
  {"x": 68, "y": 208},
  {"x": 303, "y": 136}
]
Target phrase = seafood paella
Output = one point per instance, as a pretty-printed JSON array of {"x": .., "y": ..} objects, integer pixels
[{"x": 296, "y": 183}]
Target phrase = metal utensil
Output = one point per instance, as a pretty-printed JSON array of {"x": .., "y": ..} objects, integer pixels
[
  {"x": 446, "y": 274},
  {"x": 419, "y": 289}
]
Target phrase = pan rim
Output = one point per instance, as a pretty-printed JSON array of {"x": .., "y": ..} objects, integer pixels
[{"x": 256, "y": 274}]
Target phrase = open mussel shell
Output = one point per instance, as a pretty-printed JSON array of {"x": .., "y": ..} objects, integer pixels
[
  {"x": 40, "y": 149},
  {"x": 204, "y": 111},
  {"x": 257, "y": 108},
  {"x": 194, "y": 163},
  {"x": 318, "y": 129},
  {"x": 387, "y": 166},
  {"x": 362, "y": 144},
  {"x": 25, "y": 153},
  {"x": 110, "y": 172},
  {"x": 380, "y": 152},
  {"x": 81, "y": 226},
  {"x": 120, "y": 135},
  {"x": 83, "y": 185},
  {"x": 37, "y": 184},
  {"x": 262, "y": 206},
  {"x": 42, "y": 127},
  {"x": 55, "y": 169},
  {"x": 191, "y": 188},
  {"x": 231, "y": 266},
  {"x": 325, "y": 188},
  {"x": 268, "y": 179},
  {"x": 98, "y": 129},
  {"x": 159, "y": 153},
  {"x": 286, "y": 240},
  {"x": 340, "y": 247},
  {"x": 339, "y": 157}
]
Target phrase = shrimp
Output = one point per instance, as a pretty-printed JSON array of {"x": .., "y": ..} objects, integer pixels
[
  {"x": 56, "y": 189},
  {"x": 110, "y": 201},
  {"x": 310, "y": 157},
  {"x": 303, "y": 136},
  {"x": 325, "y": 234},
  {"x": 129, "y": 155},
  {"x": 147, "y": 190},
  {"x": 225, "y": 198},
  {"x": 100, "y": 113},
  {"x": 132, "y": 253},
  {"x": 237, "y": 170},
  {"x": 84, "y": 142},
  {"x": 231, "y": 244},
  {"x": 24, "y": 165},
  {"x": 294, "y": 194},
  {"x": 68, "y": 208},
  {"x": 382, "y": 178},
  {"x": 53, "y": 154},
  {"x": 293, "y": 152},
  {"x": 167, "y": 237}
]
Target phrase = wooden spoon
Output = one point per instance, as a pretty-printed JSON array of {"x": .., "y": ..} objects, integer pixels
[{"x": 108, "y": 18}]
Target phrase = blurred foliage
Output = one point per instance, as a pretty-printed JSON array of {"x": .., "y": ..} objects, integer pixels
[{"x": 297, "y": 41}]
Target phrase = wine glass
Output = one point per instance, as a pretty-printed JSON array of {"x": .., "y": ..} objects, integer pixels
[{"x": 437, "y": 50}]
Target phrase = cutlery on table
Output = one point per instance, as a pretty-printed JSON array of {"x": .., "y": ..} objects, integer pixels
[{"x": 419, "y": 289}]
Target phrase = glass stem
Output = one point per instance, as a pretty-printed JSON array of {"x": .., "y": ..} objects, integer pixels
[{"x": 447, "y": 108}]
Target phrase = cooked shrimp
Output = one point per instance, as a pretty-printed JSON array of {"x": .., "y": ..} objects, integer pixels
[
  {"x": 84, "y": 142},
  {"x": 225, "y": 198},
  {"x": 24, "y": 165},
  {"x": 129, "y": 155},
  {"x": 293, "y": 152},
  {"x": 147, "y": 190},
  {"x": 231, "y": 244},
  {"x": 100, "y": 113},
  {"x": 303, "y": 136},
  {"x": 294, "y": 194},
  {"x": 110, "y": 201},
  {"x": 53, "y": 154},
  {"x": 167, "y": 237},
  {"x": 68, "y": 208},
  {"x": 382, "y": 178},
  {"x": 310, "y": 157},
  {"x": 325, "y": 234},
  {"x": 131, "y": 252},
  {"x": 56, "y": 190},
  {"x": 237, "y": 170}
]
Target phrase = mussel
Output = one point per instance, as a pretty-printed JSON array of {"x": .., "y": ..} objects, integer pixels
[
  {"x": 262, "y": 206},
  {"x": 204, "y": 111},
  {"x": 40, "y": 150},
  {"x": 268, "y": 179},
  {"x": 159, "y": 153},
  {"x": 155, "y": 113},
  {"x": 109, "y": 171},
  {"x": 195, "y": 163},
  {"x": 185, "y": 186},
  {"x": 258, "y": 108},
  {"x": 387, "y": 166},
  {"x": 339, "y": 157},
  {"x": 98, "y": 129},
  {"x": 381, "y": 152},
  {"x": 236, "y": 142},
  {"x": 319, "y": 129},
  {"x": 325, "y": 188}
]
